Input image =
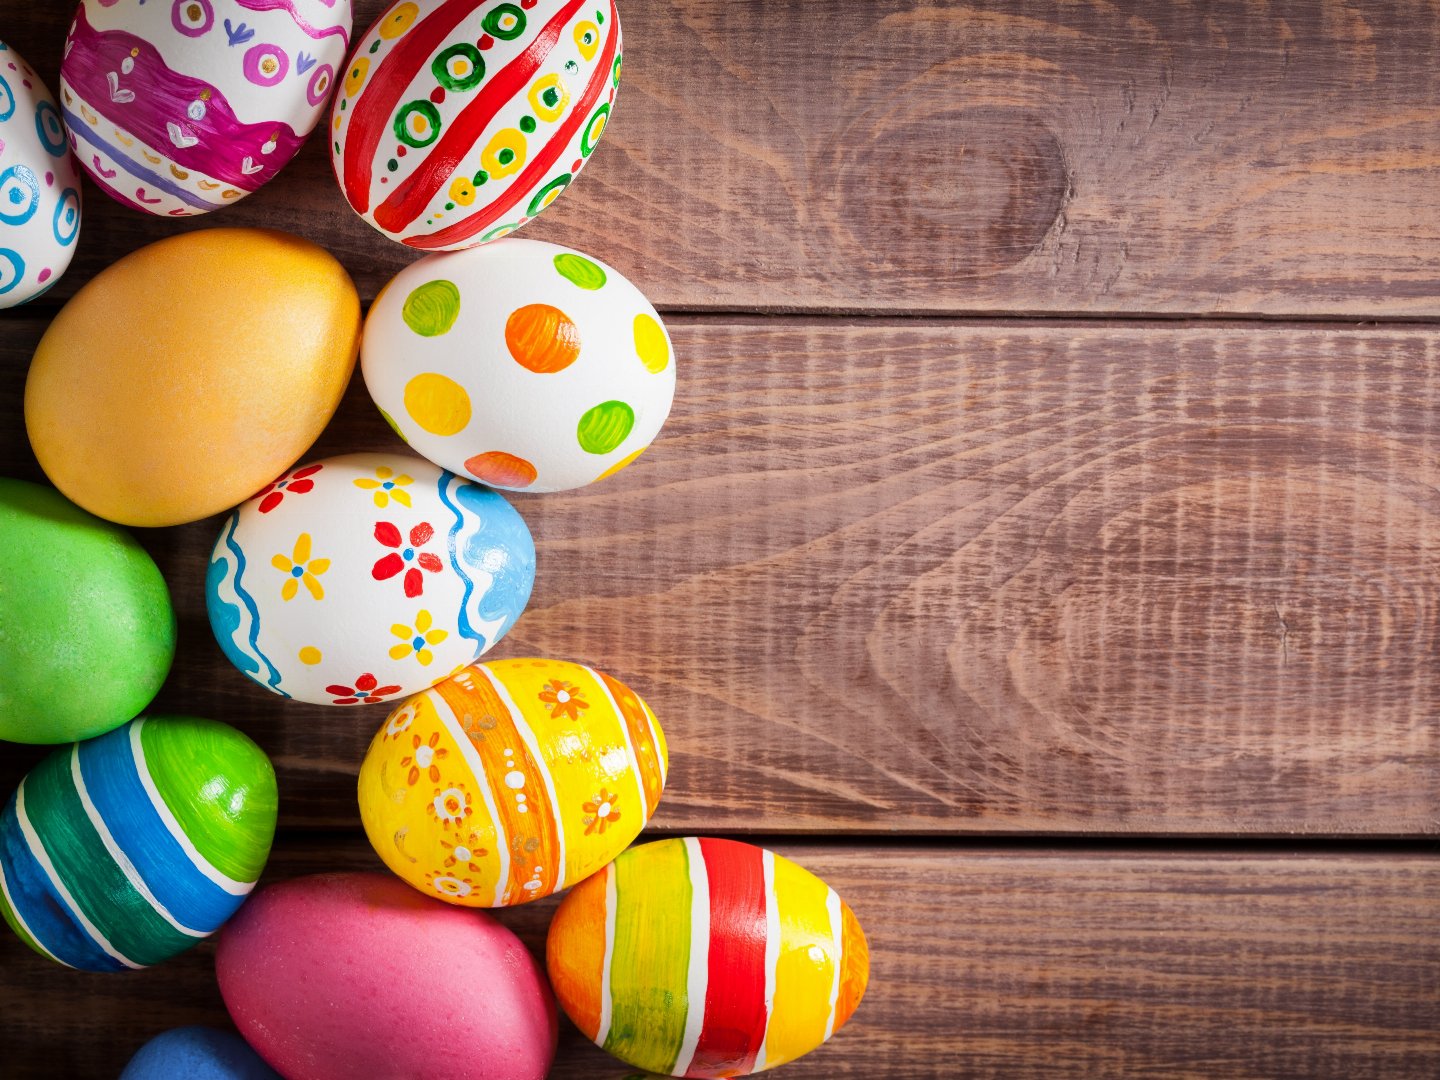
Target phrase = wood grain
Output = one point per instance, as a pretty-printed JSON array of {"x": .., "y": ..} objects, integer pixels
[
  {"x": 972, "y": 578},
  {"x": 898, "y": 155},
  {"x": 989, "y": 963}
]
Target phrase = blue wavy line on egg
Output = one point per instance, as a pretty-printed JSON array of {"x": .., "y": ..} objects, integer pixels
[
  {"x": 463, "y": 623},
  {"x": 501, "y": 529},
  {"x": 273, "y": 681}
]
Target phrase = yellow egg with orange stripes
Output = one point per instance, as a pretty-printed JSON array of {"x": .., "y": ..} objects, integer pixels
[
  {"x": 706, "y": 958},
  {"x": 511, "y": 780}
]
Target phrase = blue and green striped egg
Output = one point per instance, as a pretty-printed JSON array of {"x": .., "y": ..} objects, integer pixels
[{"x": 124, "y": 850}]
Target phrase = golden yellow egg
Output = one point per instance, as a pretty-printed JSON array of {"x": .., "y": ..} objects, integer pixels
[{"x": 189, "y": 374}]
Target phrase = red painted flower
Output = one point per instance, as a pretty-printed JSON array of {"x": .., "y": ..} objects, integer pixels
[
  {"x": 296, "y": 483},
  {"x": 406, "y": 557},
  {"x": 366, "y": 691}
]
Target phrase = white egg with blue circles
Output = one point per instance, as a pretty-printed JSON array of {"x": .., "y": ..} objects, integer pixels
[
  {"x": 367, "y": 577},
  {"x": 39, "y": 185}
]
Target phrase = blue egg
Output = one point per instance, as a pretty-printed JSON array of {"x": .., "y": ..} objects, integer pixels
[{"x": 197, "y": 1053}]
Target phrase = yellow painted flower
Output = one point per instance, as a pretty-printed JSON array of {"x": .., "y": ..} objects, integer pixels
[
  {"x": 548, "y": 97},
  {"x": 301, "y": 569},
  {"x": 386, "y": 486},
  {"x": 505, "y": 154},
  {"x": 416, "y": 639}
]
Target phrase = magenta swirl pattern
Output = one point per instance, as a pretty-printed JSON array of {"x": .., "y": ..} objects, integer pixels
[{"x": 180, "y": 107}]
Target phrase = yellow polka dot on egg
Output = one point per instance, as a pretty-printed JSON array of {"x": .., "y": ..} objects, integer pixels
[
  {"x": 650, "y": 343},
  {"x": 310, "y": 655},
  {"x": 438, "y": 404}
]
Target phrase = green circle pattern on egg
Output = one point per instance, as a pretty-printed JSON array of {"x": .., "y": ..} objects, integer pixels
[
  {"x": 87, "y": 633},
  {"x": 521, "y": 364}
]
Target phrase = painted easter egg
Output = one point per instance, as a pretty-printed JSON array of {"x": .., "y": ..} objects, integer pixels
[
  {"x": 87, "y": 632},
  {"x": 525, "y": 365},
  {"x": 458, "y": 121},
  {"x": 511, "y": 780},
  {"x": 180, "y": 107},
  {"x": 121, "y": 851},
  {"x": 339, "y": 976},
  {"x": 197, "y": 1053},
  {"x": 365, "y": 577},
  {"x": 703, "y": 957},
  {"x": 39, "y": 185},
  {"x": 183, "y": 378}
]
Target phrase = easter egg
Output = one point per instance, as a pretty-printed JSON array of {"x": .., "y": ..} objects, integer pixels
[
  {"x": 87, "y": 633},
  {"x": 187, "y": 375},
  {"x": 524, "y": 365},
  {"x": 122, "y": 851},
  {"x": 339, "y": 976},
  {"x": 511, "y": 780},
  {"x": 703, "y": 957},
  {"x": 180, "y": 107},
  {"x": 39, "y": 185},
  {"x": 197, "y": 1053},
  {"x": 458, "y": 121},
  {"x": 365, "y": 577}
]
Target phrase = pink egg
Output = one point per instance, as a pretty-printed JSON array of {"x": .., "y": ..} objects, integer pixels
[{"x": 346, "y": 975}]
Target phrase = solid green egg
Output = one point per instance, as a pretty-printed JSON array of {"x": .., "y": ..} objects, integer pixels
[{"x": 87, "y": 633}]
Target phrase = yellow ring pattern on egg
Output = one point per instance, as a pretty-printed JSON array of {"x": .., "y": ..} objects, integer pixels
[
  {"x": 505, "y": 153},
  {"x": 548, "y": 97}
]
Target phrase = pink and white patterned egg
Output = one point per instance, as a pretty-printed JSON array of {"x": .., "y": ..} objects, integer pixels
[
  {"x": 181, "y": 107},
  {"x": 458, "y": 121}
]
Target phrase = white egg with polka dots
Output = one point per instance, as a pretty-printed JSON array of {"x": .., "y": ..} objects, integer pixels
[
  {"x": 521, "y": 364},
  {"x": 39, "y": 185}
]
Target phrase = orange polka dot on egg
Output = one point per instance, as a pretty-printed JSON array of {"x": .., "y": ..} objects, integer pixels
[
  {"x": 499, "y": 469},
  {"x": 542, "y": 338}
]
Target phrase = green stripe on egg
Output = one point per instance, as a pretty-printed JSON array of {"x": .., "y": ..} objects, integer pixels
[
  {"x": 88, "y": 872},
  {"x": 185, "y": 754}
]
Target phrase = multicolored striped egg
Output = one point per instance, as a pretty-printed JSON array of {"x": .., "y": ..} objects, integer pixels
[
  {"x": 121, "y": 851},
  {"x": 706, "y": 958},
  {"x": 39, "y": 185},
  {"x": 525, "y": 365},
  {"x": 512, "y": 780},
  {"x": 458, "y": 121},
  {"x": 180, "y": 107},
  {"x": 365, "y": 577}
]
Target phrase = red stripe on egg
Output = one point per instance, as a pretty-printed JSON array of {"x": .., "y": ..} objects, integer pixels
[
  {"x": 735, "y": 1014},
  {"x": 413, "y": 194},
  {"x": 376, "y": 102},
  {"x": 523, "y": 185}
]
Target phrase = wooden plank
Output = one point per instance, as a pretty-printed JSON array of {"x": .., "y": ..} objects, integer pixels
[
  {"x": 972, "y": 578},
  {"x": 997, "y": 963},
  {"x": 991, "y": 156}
]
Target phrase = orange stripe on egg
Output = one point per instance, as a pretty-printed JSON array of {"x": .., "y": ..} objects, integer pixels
[
  {"x": 855, "y": 958},
  {"x": 645, "y": 739},
  {"x": 527, "y": 824}
]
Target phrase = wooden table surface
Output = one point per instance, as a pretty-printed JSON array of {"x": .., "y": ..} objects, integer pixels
[{"x": 1044, "y": 547}]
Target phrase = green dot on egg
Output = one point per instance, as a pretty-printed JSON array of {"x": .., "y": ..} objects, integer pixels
[
  {"x": 432, "y": 308},
  {"x": 605, "y": 427},
  {"x": 527, "y": 124}
]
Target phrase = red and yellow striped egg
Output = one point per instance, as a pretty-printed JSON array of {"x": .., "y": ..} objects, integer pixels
[
  {"x": 511, "y": 780},
  {"x": 706, "y": 958},
  {"x": 457, "y": 121}
]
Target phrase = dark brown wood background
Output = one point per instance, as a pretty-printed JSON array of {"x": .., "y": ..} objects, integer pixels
[{"x": 1044, "y": 548}]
